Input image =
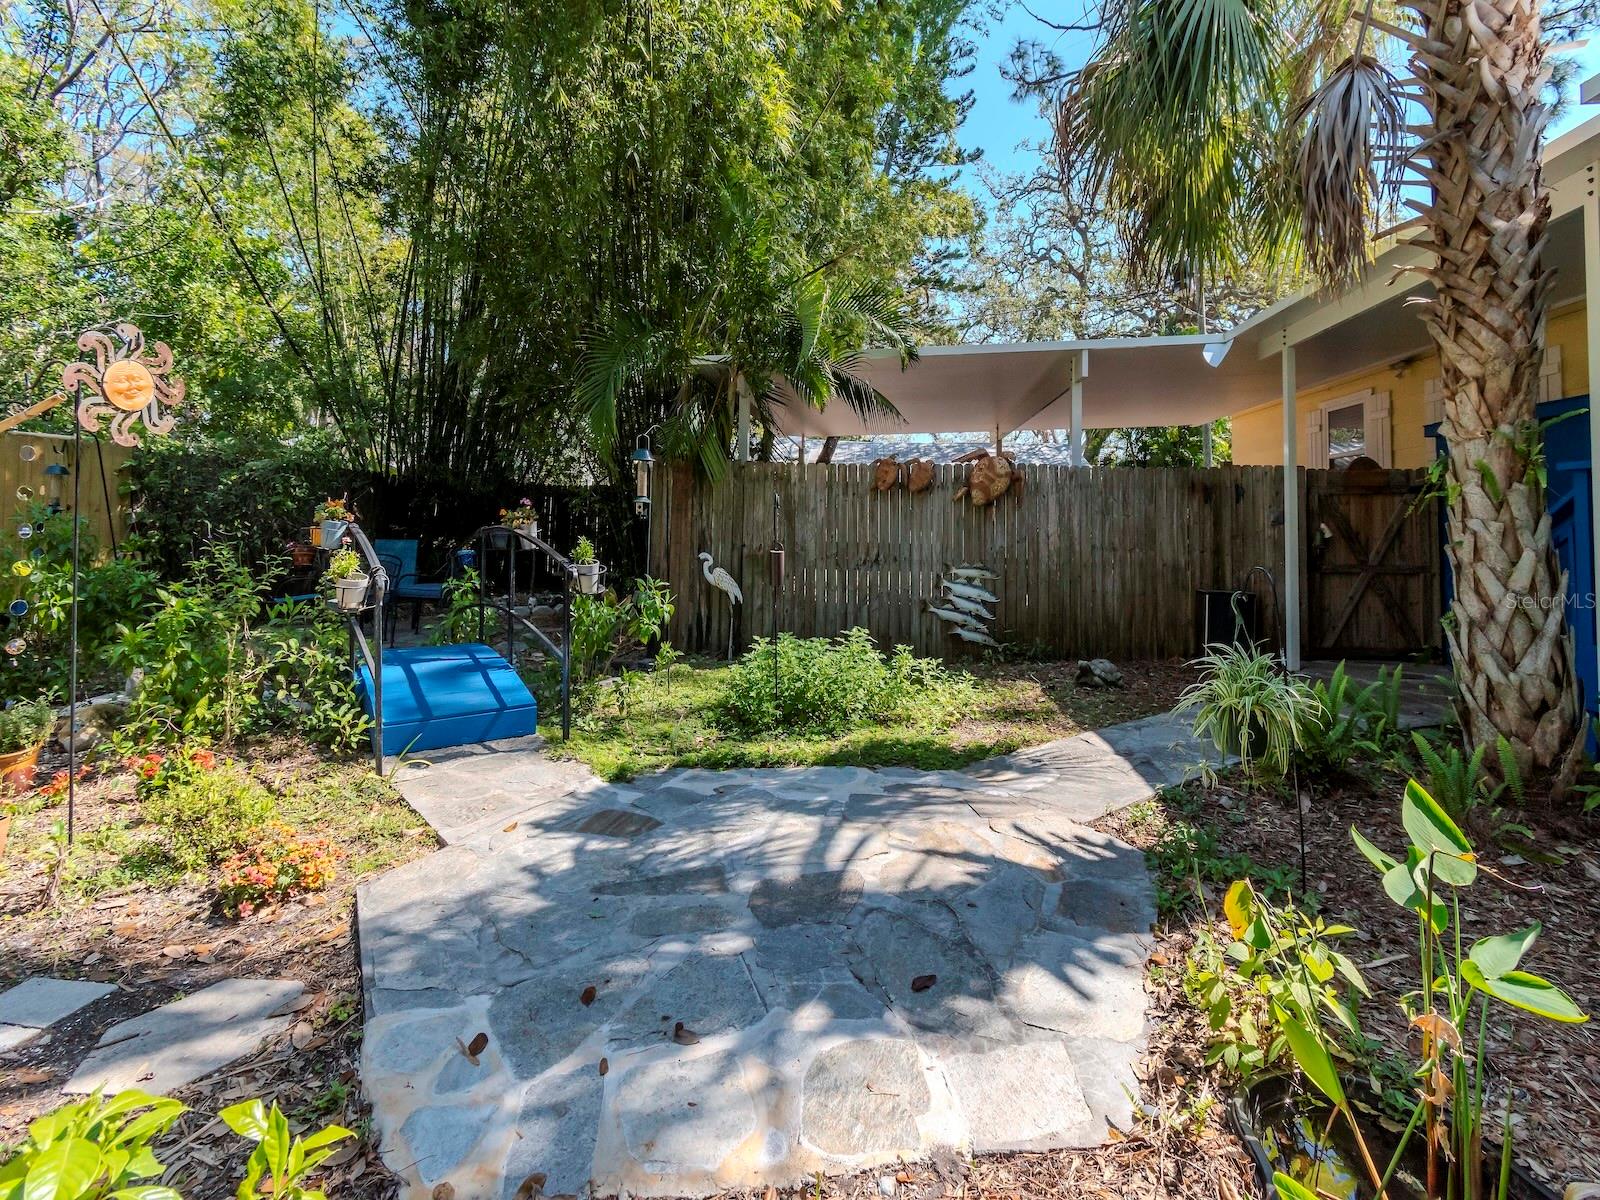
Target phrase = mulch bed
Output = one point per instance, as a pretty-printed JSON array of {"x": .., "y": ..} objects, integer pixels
[
  {"x": 1553, "y": 1069},
  {"x": 158, "y": 944}
]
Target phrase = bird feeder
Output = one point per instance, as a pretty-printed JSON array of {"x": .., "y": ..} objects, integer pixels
[
  {"x": 643, "y": 469},
  {"x": 54, "y": 474}
]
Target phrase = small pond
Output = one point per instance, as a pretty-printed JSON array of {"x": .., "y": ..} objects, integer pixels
[{"x": 1287, "y": 1129}]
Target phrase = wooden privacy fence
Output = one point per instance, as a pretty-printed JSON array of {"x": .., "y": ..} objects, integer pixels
[
  {"x": 1090, "y": 562},
  {"x": 25, "y": 481}
]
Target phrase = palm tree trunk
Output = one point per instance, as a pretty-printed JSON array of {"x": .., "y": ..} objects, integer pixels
[{"x": 1482, "y": 67}]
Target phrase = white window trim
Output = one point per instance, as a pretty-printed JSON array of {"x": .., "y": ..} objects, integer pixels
[{"x": 1376, "y": 416}]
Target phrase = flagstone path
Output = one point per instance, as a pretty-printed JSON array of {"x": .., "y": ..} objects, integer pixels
[{"x": 707, "y": 979}]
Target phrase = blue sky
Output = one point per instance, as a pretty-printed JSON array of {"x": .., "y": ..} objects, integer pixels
[{"x": 1002, "y": 128}]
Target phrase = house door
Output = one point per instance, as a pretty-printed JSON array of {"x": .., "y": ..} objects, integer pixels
[{"x": 1372, "y": 565}]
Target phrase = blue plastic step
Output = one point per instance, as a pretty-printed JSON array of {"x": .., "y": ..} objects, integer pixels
[{"x": 437, "y": 696}]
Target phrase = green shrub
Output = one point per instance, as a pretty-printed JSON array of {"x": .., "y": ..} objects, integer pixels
[
  {"x": 1249, "y": 707},
  {"x": 109, "y": 589},
  {"x": 604, "y": 626},
  {"x": 215, "y": 667},
  {"x": 255, "y": 492},
  {"x": 205, "y": 814},
  {"x": 825, "y": 686},
  {"x": 25, "y": 725}
]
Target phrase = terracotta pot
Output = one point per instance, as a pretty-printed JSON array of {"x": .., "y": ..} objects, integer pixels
[
  {"x": 302, "y": 555},
  {"x": 16, "y": 769}
]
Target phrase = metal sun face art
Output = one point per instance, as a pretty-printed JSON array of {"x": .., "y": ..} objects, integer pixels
[{"x": 126, "y": 382}]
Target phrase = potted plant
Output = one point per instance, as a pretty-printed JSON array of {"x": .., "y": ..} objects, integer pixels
[
  {"x": 1249, "y": 708},
  {"x": 331, "y": 517},
  {"x": 350, "y": 580},
  {"x": 24, "y": 726},
  {"x": 522, "y": 518},
  {"x": 303, "y": 554},
  {"x": 588, "y": 575}
]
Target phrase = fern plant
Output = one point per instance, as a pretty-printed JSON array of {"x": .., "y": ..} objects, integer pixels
[
  {"x": 1250, "y": 708},
  {"x": 1455, "y": 780}
]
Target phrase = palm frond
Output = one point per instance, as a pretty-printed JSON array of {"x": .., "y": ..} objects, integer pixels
[
  {"x": 1352, "y": 122},
  {"x": 1162, "y": 122},
  {"x": 613, "y": 361}
]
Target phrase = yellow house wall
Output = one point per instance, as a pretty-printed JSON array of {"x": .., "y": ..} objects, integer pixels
[{"x": 1258, "y": 432}]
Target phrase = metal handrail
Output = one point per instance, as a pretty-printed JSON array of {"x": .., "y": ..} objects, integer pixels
[
  {"x": 371, "y": 652},
  {"x": 568, "y": 570}
]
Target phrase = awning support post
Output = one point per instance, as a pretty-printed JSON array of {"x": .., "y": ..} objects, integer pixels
[
  {"x": 1291, "y": 516},
  {"x": 1079, "y": 368},
  {"x": 1208, "y": 454},
  {"x": 741, "y": 444},
  {"x": 1591, "y": 287}
]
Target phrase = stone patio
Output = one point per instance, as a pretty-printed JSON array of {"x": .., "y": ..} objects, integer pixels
[{"x": 704, "y": 979}]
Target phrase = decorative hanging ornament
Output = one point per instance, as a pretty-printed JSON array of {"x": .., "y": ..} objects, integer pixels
[
  {"x": 126, "y": 383},
  {"x": 24, "y": 531},
  {"x": 22, "y": 568},
  {"x": 19, "y": 608},
  {"x": 15, "y": 647}
]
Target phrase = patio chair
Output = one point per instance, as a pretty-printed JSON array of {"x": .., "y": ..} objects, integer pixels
[{"x": 399, "y": 558}]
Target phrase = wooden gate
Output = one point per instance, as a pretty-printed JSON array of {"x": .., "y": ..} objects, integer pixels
[{"x": 1372, "y": 565}]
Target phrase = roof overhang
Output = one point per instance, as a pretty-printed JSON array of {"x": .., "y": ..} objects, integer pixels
[{"x": 1195, "y": 378}]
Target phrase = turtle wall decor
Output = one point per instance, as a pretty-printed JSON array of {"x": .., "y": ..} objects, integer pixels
[{"x": 990, "y": 476}]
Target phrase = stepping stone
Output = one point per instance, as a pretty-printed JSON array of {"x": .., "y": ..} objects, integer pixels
[
  {"x": 682, "y": 1114},
  {"x": 187, "y": 1039},
  {"x": 819, "y": 898},
  {"x": 35, "y": 1004},
  {"x": 864, "y": 1097},
  {"x": 1022, "y": 1098}
]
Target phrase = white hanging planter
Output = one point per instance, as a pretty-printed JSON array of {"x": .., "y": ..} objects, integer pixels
[
  {"x": 350, "y": 593},
  {"x": 528, "y": 529},
  {"x": 590, "y": 578}
]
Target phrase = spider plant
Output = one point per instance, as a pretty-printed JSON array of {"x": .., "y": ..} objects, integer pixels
[{"x": 1249, "y": 707}]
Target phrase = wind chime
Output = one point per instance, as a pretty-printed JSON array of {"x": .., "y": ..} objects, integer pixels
[{"x": 132, "y": 384}]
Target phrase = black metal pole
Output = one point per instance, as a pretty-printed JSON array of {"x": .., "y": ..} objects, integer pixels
[
  {"x": 566, "y": 662},
  {"x": 72, "y": 671},
  {"x": 482, "y": 572},
  {"x": 511, "y": 597}
]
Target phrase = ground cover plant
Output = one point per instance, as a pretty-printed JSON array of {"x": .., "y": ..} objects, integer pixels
[{"x": 673, "y": 715}]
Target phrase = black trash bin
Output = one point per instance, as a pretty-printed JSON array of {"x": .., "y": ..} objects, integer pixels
[{"x": 1223, "y": 616}]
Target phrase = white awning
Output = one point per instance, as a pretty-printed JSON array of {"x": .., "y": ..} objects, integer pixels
[{"x": 1195, "y": 378}]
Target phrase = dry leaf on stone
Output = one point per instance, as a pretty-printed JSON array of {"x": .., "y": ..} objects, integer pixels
[
  {"x": 301, "y": 1034},
  {"x": 530, "y": 1187},
  {"x": 444, "y": 1191},
  {"x": 683, "y": 1035},
  {"x": 302, "y": 1001},
  {"x": 175, "y": 951},
  {"x": 509, "y": 828},
  {"x": 29, "y": 1075},
  {"x": 478, "y": 1044},
  {"x": 587, "y": 998},
  {"x": 605, "y": 1065},
  {"x": 923, "y": 982}
]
